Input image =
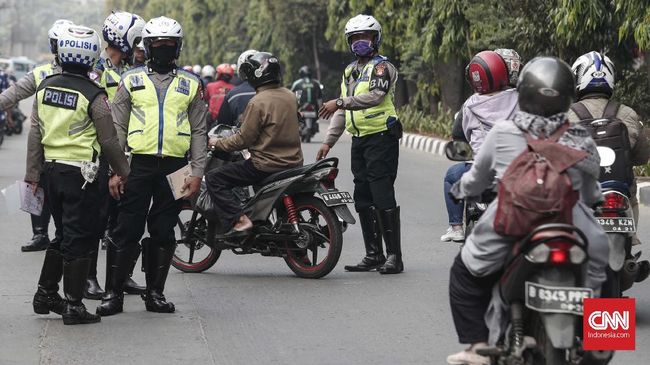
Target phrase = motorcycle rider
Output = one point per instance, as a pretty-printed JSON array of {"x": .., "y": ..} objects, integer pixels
[
  {"x": 207, "y": 74},
  {"x": 269, "y": 130},
  {"x": 310, "y": 93},
  {"x": 121, "y": 32},
  {"x": 22, "y": 89},
  {"x": 594, "y": 92},
  {"x": 367, "y": 111},
  {"x": 477, "y": 268},
  {"x": 237, "y": 99},
  {"x": 160, "y": 131},
  {"x": 491, "y": 79},
  {"x": 216, "y": 90},
  {"x": 63, "y": 151}
]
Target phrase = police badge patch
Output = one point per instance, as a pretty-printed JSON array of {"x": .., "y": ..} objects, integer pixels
[
  {"x": 137, "y": 83},
  {"x": 380, "y": 69},
  {"x": 183, "y": 86}
]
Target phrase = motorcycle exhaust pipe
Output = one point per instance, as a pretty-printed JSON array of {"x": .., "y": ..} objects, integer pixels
[{"x": 629, "y": 272}]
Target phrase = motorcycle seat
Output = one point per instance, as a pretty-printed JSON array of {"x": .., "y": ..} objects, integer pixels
[
  {"x": 296, "y": 171},
  {"x": 553, "y": 233}
]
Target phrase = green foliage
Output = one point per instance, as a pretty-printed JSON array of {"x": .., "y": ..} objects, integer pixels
[
  {"x": 632, "y": 90},
  {"x": 417, "y": 121}
]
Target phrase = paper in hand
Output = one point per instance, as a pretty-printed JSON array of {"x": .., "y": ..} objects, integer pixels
[
  {"x": 30, "y": 202},
  {"x": 177, "y": 179}
]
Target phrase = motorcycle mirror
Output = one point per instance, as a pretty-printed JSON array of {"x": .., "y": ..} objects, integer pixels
[
  {"x": 458, "y": 151},
  {"x": 607, "y": 156}
]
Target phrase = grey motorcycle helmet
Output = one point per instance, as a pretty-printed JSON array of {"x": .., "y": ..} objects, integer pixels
[{"x": 546, "y": 86}]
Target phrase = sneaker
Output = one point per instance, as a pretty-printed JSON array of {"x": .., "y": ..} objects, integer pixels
[
  {"x": 453, "y": 235},
  {"x": 468, "y": 357}
]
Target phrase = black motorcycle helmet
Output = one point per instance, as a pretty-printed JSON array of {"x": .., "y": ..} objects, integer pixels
[
  {"x": 261, "y": 68},
  {"x": 546, "y": 86},
  {"x": 304, "y": 71}
]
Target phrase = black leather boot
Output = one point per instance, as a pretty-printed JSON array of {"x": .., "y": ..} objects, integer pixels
[
  {"x": 75, "y": 273},
  {"x": 40, "y": 241},
  {"x": 92, "y": 290},
  {"x": 390, "y": 228},
  {"x": 130, "y": 286},
  {"x": 117, "y": 264},
  {"x": 372, "y": 240},
  {"x": 157, "y": 267},
  {"x": 47, "y": 298}
]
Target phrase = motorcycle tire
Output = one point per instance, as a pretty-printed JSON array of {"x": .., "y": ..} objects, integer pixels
[
  {"x": 546, "y": 353},
  {"x": 183, "y": 243},
  {"x": 334, "y": 232},
  {"x": 18, "y": 128}
]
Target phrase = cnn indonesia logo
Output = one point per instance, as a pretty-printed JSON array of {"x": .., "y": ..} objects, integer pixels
[{"x": 609, "y": 324}]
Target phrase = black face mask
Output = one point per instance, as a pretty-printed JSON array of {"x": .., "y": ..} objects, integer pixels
[{"x": 163, "y": 55}]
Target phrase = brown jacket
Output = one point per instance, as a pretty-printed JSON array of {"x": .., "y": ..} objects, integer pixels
[{"x": 269, "y": 130}]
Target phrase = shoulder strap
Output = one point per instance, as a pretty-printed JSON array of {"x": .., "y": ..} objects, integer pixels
[
  {"x": 611, "y": 109},
  {"x": 581, "y": 111}
]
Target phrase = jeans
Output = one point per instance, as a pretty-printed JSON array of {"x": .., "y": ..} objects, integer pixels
[{"x": 454, "y": 211}]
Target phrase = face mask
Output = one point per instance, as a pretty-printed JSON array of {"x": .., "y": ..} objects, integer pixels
[
  {"x": 163, "y": 55},
  {"x": 362, "y": 48}
]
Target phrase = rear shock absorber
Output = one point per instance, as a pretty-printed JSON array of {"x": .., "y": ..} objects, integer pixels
[{"x": 292, "y": 215}]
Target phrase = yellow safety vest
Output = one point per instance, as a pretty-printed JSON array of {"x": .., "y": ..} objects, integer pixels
[
  {"x": 371, "y": 120},
  {"x": 68, "y": 132},
  {"x": 40, "y": 72},
  {"x": 109, "y": 81},
  {"x": 159, "y": 123}
]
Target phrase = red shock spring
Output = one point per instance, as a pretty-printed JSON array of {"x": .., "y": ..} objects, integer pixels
[{"x": 291, "y": 210}]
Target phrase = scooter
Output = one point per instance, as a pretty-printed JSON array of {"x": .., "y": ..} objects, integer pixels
[{"x": 298, "y": 214}]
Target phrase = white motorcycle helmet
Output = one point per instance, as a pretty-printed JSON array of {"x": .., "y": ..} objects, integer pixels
[
  {"x": 242, "y": 58},
  {"x": 123, "y": 30},
  {"x": 55, "y": 32},
  {"x": 208, "y": 71},
  {"x": 162, "y": 28},
  {"x": 361, "y": 24},
  {"x": 79, "y": 46},
  {"x": 594, "y": 74},
  {"x": 196, "y": 69}
]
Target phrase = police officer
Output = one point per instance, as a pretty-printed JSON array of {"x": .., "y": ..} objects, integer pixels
[
  {"x": 24, "y": 88},
  {"x": 71, "y": 126},
  {"x": 366, "y": 110},
  {"x": 160, "y": 114},
  {"x": 138, "y": 55},
  {"x": 121, "y": 32}
]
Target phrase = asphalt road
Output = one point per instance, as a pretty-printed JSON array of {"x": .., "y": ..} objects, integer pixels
[{"x": 253, "y": 310}]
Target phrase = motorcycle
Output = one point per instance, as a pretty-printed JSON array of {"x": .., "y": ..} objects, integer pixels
[
  {"x": 18, "y": 118},
  {"x": 474, "y": 206},
  {"x": 543, "y": 285},
  {"x": 617, "y": 219},
  {"x": 298, "y": 215},
  {"x": 309, "y": 127}
]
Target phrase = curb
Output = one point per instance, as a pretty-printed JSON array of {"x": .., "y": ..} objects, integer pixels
[
  {"x": 426, "y": 144},
  {"x": 643, "y": 192}
]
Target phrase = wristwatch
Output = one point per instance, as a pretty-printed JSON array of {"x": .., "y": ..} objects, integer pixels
[{"x": 339, "y": 103}]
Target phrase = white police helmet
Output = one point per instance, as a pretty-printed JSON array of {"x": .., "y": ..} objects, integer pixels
[
  {"x": 363, "y": 24},
  {"x": 123, "y": 30},
  {"x": 55, "y": 32},
  {"x": 79, "y": 46},
  {"x": 162, "y": 28}
]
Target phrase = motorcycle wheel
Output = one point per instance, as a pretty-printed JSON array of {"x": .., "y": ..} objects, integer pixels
[
  {"x": 190, "y": 244},
  {"x": 312, "y": 211},
  {"x": 18, "y": 128},
  {"x": 546, "y": 353}
]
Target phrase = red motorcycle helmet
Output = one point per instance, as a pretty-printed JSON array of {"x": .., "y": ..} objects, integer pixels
[
  {"x": 225, "y": 72},
  {"x": 487, "y": 72}
]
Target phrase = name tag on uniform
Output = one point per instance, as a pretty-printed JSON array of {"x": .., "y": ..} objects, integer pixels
[
  {"x": 137, "y": 83},
  {"x": 183, "y": 86},
  {"x": 60, "y": 98}
]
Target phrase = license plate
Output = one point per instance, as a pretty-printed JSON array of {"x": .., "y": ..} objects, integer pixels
[
  {"x": 554, "y": 299},
  {"x": 308, "y": 114},
  {"x": 617, "y": 224},
  {"x": 337, "y": 198}
]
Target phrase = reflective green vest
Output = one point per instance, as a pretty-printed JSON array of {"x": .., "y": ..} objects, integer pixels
[
  {"x": 40, "y": 72},
  {"x": 109, "y": 81},
  {"x": 159, "y": 123},
  {"x": 371, "y": 120},
  {"x": 68, "y": 132}
]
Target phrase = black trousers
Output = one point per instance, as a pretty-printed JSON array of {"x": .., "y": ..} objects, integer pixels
[
  {"x": 374, "y": 166},
  {"x": 74, "y": 210},
  {"x": 109, "y": 206},
  {"x": 220, "y": 183},
  {"x": 40, "y": 223},
  {"x": 470, "y": 297},
  {"x": 147, "y": 182}
]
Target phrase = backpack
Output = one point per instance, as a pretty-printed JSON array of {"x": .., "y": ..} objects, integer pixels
[
  {"x": 536, "y": 188},
  {"x": 609, "y": 131}
]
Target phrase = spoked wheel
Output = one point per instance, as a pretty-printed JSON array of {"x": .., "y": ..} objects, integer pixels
[
  {"x": 318, "y": 249},
  {"x": 192, "y": 252}
]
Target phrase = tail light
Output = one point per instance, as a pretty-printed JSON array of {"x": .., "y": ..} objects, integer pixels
[
  {"x": 557, "y": 253},
  {"x": 329, "y": 179},
  {"x": 615, "y": 201}
]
